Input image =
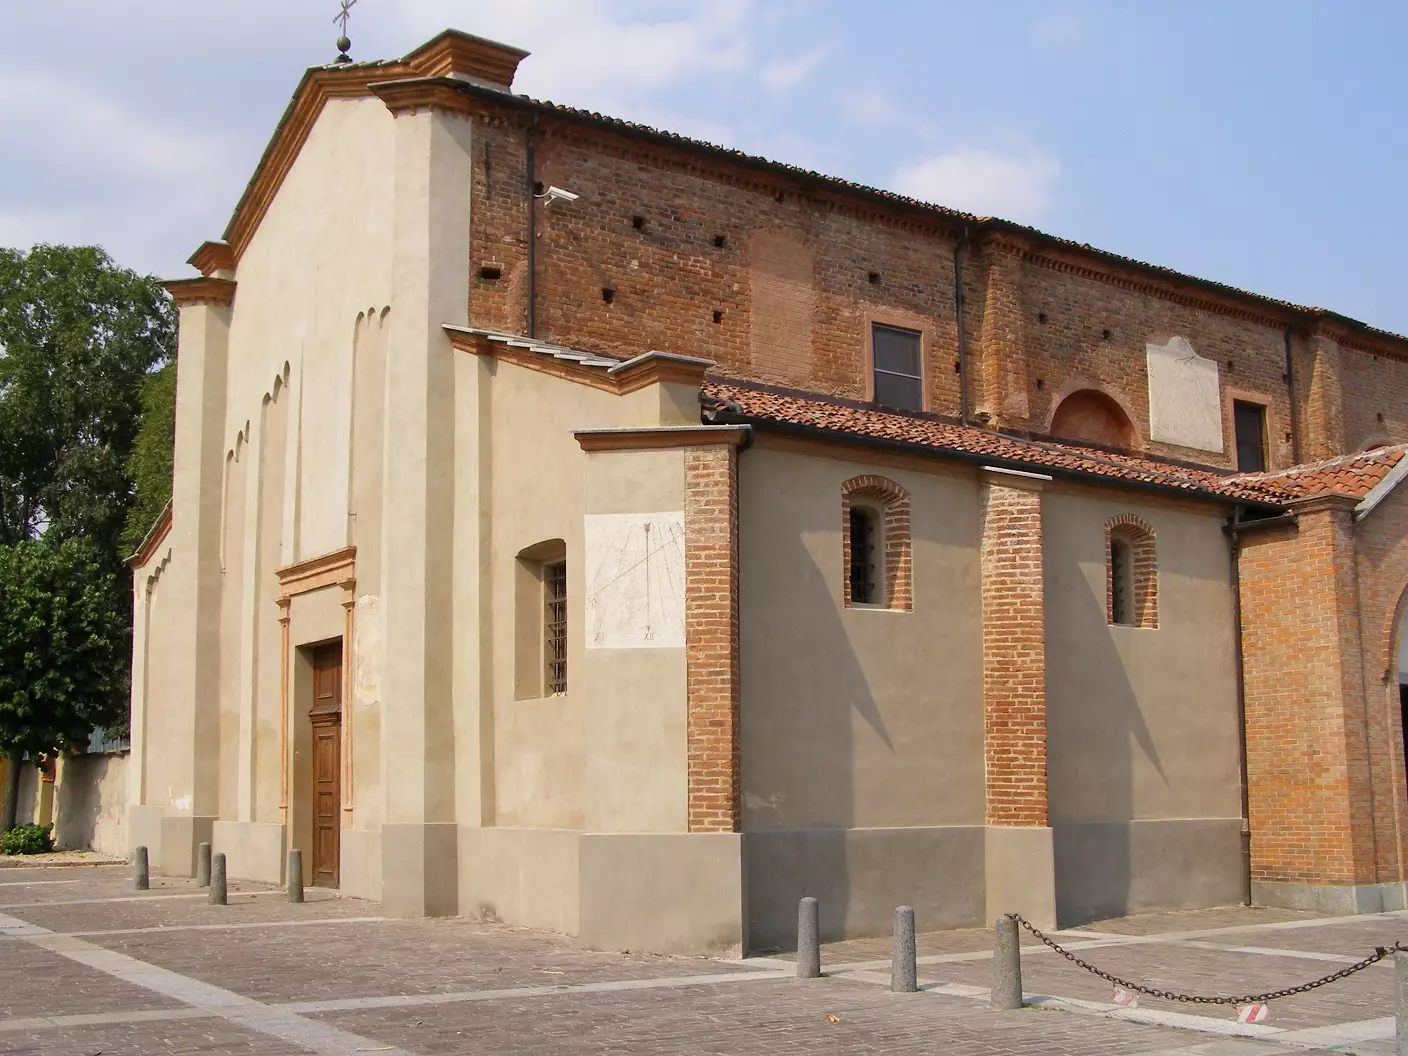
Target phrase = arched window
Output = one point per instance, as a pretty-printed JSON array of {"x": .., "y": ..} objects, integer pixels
[
  {"x": 1131, "y": 572},
  {"x": 875, "y": 544},
  {"x": 540, "y": 633},
  {"x": 1092, "y": 417}
]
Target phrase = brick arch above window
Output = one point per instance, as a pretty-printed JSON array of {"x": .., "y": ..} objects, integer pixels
[
  {"x": 1141, "y": 594},
  {"x": 891, "y": 502}
]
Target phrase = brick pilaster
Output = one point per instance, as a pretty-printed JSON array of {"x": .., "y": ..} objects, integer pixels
[
  {"x": 1324, "y": 417},
  {"x": 1002, "y": 347},
  {"x": 1014, "y": 651},
  {"x": 711, "y": 637}
]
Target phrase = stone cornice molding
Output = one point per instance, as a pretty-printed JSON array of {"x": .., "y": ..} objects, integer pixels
[
  {"x": 335, "y": 569},
  {"x": 625, "y": 377},
  {"x": 149, "y": 546},
  {"x": 213, "y": 257},
  {"x": 204, "y": 290},
  {"x": 651, "y": 438},
  {"x": 463, "y": 54},
  {"x": 425, "y": 93}
]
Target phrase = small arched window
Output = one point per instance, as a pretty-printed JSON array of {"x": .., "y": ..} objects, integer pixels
[
  {"x": 875, "y": 544},
  {"x": 1131, "y": 572}
]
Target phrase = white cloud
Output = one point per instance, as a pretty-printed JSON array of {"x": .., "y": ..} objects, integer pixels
[
  {"x": 1012, "y": 186},
  {"x": 783, "y": 74},
  {"x": 868, "y": 107}
]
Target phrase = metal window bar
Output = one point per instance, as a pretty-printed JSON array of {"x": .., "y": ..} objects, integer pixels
[
  {"x": 555, "y": 626},
  {"x": 1121, "y": 603},
  {"x": 862, "y": 557}
]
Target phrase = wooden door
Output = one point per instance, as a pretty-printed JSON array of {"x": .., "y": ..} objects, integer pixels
[{"x": 326, "y": 717}]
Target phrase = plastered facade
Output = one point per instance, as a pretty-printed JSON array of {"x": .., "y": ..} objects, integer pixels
[{"x": 373, "y": 449}]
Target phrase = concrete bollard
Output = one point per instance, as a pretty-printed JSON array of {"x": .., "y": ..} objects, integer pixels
[
  {"x": 141, "y": 878},
  {"x": 217, "y": 880},
  {"x": 808, "y": 940},
  {"x": 1007, "y": 966},
  {"x": 295, "y": 876},
  {"x": 904, "y": 972},
  {"x": 1400, "y": 1007},
  {"x": 203, "y": 865}
]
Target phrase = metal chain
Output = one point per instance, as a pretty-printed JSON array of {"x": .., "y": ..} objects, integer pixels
[{"x": 1380, "y": 952}]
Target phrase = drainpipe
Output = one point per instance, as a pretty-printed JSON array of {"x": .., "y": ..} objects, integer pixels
[
  {"x": 958, "y": 313},
  {"x": 532, "y": 223},
  {"x": 1291, "y": 390},
  {"x": 1235, "y": 540}
]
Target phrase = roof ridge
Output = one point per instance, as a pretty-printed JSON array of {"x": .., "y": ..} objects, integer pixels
[{"x": 1324, "y": 463}]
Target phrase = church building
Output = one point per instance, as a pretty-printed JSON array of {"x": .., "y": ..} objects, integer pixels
[{"x": 594, "y": 529}]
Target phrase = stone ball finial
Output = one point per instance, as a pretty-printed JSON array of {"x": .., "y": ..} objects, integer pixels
[{"x": 344, "y": 45}]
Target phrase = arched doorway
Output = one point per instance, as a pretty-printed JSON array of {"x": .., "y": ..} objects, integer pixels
[{"x": 1091, "y": 417}]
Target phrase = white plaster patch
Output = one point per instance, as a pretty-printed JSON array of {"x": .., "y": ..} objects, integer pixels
[
  {"x": 183, "y": 804},
  {"x": 635, "y": 580},
  {"x": 366, "y": 651},
  {"x": 1185, "y": 403}
]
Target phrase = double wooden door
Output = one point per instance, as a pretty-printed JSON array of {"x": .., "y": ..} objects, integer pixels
[{"x": 326, "y": 718}]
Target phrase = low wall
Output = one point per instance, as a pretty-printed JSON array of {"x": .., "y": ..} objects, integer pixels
[{"x": 91, "y": 803}]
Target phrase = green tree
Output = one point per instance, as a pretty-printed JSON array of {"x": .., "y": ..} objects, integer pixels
[
  {"x": 80, "y": 339},
  {"x": 63, "y": 650},
  {"x": 150, "y": 464}
]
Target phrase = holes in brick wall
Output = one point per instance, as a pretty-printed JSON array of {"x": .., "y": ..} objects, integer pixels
[
  {"x": 719, "y": 318},
  {"x": 1041, "y": 317},
  {"x": 1106, "y": 333},
  {"x": 1381, "y": 416},
  {"x": 780, "y": 196},
  {"x": 1231, "y": 367},
  {"x": 538, "y": 187},
  {"x": 720, "y": 241},
  {"x": 957, "y": 367},
  {"x": 1040, "y": 384},
  {"x": 638, "y": 222},
  {"x": 608, "y": 294},
  {"x": 491, "y": 272},
  {"x": 874, "y": 278}
]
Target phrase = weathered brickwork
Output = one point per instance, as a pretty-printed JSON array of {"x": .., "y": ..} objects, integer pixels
[
  {"x": 1307, "y": 755},
  {"x": 711, "y": 638},
  {"x": 893, "y": 502},
  {"x": 1014, "y": 653},
  {"x": 1144, "y": 568}
]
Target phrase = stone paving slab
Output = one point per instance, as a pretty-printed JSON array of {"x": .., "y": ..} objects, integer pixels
[
  {"x": 35, "y": 981},
  {"x": 152, "y": 913},
  {"x": 178, "y": 1038}
]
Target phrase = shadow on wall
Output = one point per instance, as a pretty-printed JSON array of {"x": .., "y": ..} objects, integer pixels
[{"x": 92, "y": 804}]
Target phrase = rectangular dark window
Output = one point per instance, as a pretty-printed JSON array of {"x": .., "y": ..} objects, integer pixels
[
  {"x": 899, "y": 370},
  {"x": 1249, "y": 423},
  {"x": 1121, "y": 582},
  {"x": 862, "y": 556},
  {"x": 555, "y": 625}
]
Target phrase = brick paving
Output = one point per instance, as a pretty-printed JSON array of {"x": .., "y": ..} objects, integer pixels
[{"x": 115, "y": 972}]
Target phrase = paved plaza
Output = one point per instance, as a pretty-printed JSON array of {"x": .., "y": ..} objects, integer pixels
[{"x": 88, "y": 966}]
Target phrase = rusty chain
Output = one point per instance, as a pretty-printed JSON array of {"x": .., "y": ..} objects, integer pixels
[{"x": 1380, "y": 952}]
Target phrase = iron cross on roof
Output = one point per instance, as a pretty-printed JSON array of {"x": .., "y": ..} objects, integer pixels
[{"x": 344, "y": 45}]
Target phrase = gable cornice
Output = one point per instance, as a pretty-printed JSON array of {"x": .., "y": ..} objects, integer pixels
[{"x": 204, "y": 290}]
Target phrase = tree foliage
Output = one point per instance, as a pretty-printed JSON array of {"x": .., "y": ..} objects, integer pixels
[
  {"x": 63, "y": 646},
  {"x": 150, "y": 464},
  {"x": 78, "y": 338}
]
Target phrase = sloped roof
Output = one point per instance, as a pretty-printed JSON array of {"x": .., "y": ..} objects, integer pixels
[
  {"x": 781, "y": 408},
  {"x": 1364, "y": 475}
]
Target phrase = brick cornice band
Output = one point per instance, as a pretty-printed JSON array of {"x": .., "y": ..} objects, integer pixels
[{"x": 204, "y": 290}]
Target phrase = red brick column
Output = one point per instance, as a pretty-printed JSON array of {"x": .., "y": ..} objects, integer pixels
[
  {"x": 1014, "y": 651},
  {"x": 711, "y": 636},
  {"x": 1308, "y": 765},
  {"x": 1002, "y": 346}
]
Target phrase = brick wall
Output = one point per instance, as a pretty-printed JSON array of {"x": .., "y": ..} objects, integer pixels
[
  {"x": 1014, "y": 652},
  {"x": 711, "y": 638},
  {"x": 1307, "y": 756}
]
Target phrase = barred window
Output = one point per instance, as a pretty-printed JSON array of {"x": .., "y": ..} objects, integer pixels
[
  {"x": 1121, "y": 582},
  {"x": 862, "y": 556},
  {"x": 1131, "y": 573},
  {"x": 555, "y": 626}
]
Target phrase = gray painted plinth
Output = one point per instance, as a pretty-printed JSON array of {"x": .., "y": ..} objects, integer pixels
[
  {"x": 808, "y": 940},
  {"x": 1400, "y": 1006},
  {"x": 295, "y": 875},
  {"x": 1332, "y": 899},
  {"x": 141, "y": 878},
  {"x": 904, "y": 972},
  {"x": 1007, "y": 966},
  {"x": 203, "y": 865},
  {"x": 217, "y": 880}
]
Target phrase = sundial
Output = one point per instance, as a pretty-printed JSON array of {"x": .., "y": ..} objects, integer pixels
[{"x": 635, "y": 580}]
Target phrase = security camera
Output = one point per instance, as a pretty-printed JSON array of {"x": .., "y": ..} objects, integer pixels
[{"x": 557, "y": 194}]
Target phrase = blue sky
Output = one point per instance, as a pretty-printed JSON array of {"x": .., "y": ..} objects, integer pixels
[{"x": 1260, "y": 144}]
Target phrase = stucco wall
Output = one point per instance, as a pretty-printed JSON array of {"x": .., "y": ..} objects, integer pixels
[
  {"x": 92, "y": 803},
  {"x": 1141, "y": 722}
]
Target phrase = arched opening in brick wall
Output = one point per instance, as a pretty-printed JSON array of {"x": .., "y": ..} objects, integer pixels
[
  {"x": 1131, "y": 573},
  {"x": 1091, "y": 417},
  {"x": 875, "y": 544}
]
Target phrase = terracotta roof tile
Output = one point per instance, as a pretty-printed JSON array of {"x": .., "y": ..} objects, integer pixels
[
  {"x": 1354, "y": 475},
  {"x": 762, "y": 405}
]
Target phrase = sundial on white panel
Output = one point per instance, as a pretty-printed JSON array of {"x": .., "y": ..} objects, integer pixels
[{"x": 635, "y": 580}]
